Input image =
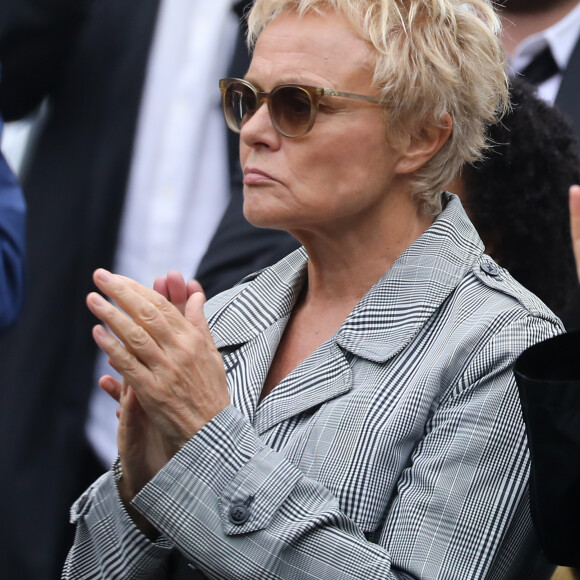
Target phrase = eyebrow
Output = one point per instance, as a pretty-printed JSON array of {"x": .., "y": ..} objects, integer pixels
[
  {"x": 328, "y": 92},
  {"x": 287, "y": 80}
]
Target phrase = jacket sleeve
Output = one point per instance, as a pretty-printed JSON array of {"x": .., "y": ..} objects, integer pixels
[
  {"x": 12, "y": 244},
  {"x": 236, "y": 509}
]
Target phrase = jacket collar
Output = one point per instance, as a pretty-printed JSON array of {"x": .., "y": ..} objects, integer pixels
[
  {"x": 388, "y": 317},
  {"x": 238, "y": 315}
]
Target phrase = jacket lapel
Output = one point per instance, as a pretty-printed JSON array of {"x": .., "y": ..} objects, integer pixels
[
  {"x": 257, "y": 305},
  {"x": 393, "y": 312},
  {"x": 247, "y": 323},
  {"x": 247, "y": 329},
  {"x": 324, "y": 375}
]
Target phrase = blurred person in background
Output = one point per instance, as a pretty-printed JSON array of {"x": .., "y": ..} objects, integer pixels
[
  {"x": 542, "y": 41},
  {"x": 127, "y": 167}
]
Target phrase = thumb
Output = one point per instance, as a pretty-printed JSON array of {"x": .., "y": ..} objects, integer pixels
[{"x": 194, "y": 311}]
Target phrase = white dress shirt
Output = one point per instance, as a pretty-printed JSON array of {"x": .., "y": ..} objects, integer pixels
[
  {"x": 561, "y": 38},
  {"x": 179, "y": 181}
]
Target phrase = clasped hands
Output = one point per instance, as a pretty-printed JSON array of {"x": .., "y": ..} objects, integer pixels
[{"x": 174, "y": 379}]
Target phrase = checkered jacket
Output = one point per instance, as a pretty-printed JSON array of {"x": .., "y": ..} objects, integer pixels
[{"x": 396, "y": 450}]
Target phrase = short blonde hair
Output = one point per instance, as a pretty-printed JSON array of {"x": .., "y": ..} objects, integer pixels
[{"x": 433, "y": 57}]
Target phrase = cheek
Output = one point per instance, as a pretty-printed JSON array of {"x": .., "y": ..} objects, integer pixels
[{"x": 351, "y": 165}]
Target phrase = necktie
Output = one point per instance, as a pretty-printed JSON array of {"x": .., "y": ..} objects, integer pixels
[{"x": 542, "y": 67}]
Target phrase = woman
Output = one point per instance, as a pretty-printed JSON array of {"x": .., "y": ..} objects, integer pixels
[{"x": 351, "y": 411}]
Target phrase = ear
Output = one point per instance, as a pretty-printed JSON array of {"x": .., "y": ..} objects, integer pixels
[{"x": 424, "y": 145}]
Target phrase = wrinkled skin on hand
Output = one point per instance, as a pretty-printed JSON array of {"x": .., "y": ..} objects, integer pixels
[{"x": 174, "y": 379}]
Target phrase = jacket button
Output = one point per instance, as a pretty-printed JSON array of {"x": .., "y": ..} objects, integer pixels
[
  {"x": 239, "y": 514},
  {"x": 490, "y": 268}
]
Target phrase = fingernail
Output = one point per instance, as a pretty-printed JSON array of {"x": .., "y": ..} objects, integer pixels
[
  {"x": 97, "y": 299},
  {"x": 99, "y": 331},
  {"x": 102, "y": 275}
]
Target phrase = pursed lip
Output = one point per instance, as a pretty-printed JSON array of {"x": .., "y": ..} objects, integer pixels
[{"x": 253, "y": 175}]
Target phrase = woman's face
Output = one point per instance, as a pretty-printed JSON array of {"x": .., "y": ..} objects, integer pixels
[{"x": 343, "y": 169}]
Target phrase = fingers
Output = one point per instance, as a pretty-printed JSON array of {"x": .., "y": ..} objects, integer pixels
[
  {"x": 111, "y": 386},
  {"x": 125, "y": 291},
  {"x": 172, "y": 373},
  {"x": 135, "y": 337},
  {"x": 173, "y": 288},
  {"x": 123, "y": 360},
  {"x": 153, "y": 342},
  {"x": 160, "y": 285},
  {"x": 162, "y": 354},
  {"x": 130, "y": 403},
  {"x": 194, "y": 312},
  {"x": 575, "y": 224},
  {"x": 177, "y": 288},
  {"x": 148, "y": 309}
]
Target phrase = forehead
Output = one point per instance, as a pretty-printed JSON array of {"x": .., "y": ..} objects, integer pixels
[{"x": 312, "y": 48}]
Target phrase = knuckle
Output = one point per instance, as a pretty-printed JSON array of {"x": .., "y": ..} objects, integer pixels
[
  {"x": 123, "y": 361},
  {"x": 132, "y": 366},
  {"x": 137, "y": 337},
  {"x": 160, "y": 302},
  {"x": 148, "y": 313}
]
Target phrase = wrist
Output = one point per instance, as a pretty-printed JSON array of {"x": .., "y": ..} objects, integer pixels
[{"x": 126, "y": 495}]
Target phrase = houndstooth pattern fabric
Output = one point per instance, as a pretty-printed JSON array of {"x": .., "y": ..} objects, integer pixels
[{"x": 396, "y": 450}]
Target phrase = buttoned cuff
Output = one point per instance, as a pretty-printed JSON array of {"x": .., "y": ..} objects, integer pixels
[
  {"x": 224, "y": 475},
  {"x": 101, "y": 507}
]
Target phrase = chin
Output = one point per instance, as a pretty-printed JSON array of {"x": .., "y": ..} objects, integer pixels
[
  {"x": 262, "y": 220},
  {"x": 262, "y": 214}
]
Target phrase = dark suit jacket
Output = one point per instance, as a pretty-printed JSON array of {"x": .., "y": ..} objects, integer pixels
[
  {"x": 90, "y": 58},
  {"x": 567, "y": 98},
  {"x": 548, "y": 377}
]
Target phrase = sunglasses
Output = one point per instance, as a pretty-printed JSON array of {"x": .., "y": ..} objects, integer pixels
[{"x": 292, "y": 107}]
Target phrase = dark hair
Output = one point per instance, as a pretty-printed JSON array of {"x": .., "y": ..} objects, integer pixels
[{"x": 517, "y": 196}]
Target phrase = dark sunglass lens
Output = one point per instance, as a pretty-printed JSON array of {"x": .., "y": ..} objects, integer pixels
[
  {"x": 291, "y": 110},
  {"x": 241, "y": 105}
]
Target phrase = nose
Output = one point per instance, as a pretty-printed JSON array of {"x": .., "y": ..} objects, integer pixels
[{"x": 259, "y": 129}]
